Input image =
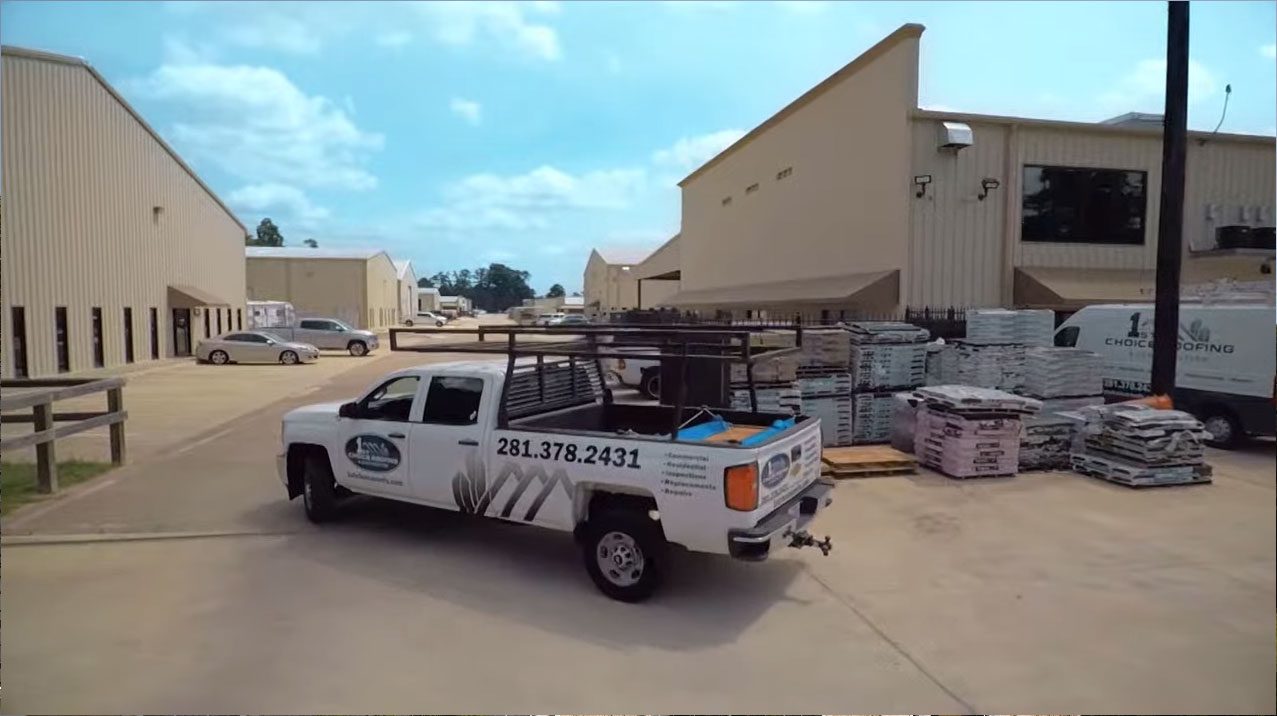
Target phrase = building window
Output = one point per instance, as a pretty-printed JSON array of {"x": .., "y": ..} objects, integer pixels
[
  {"x": 208, "y": 332},
  {"x": 239, "y": 319},
  {"x": 155, "y": 333},
  {"x": 1079, "y": 205},
  {"x": 751, "y": 188},
  {"x": 99, "y": 354},
  {"x": 18, "y": 333},
  {"x": 784, "y": 173},
  {"x": 128, "y": 335},
  {"x": 727, "y": 200},
  {"x": 63, "y": 348}
]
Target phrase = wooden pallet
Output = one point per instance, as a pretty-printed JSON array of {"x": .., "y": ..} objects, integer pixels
[{"x": 867, "y": 461}]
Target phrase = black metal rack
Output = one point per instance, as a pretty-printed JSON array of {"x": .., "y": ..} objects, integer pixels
[{"x": 679, "y": 342}]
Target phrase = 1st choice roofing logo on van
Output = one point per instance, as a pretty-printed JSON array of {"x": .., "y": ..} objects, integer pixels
[{"x": 1195, "y": 338}]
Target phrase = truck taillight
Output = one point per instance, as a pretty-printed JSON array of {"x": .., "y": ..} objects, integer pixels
[{"x": 740, "y": 486}]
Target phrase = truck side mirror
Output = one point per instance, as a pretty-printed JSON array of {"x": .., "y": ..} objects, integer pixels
[{"x": 348, "y": 410}]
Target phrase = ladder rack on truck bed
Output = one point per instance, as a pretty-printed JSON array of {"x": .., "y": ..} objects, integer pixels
[{"x": 575, "y": 372}]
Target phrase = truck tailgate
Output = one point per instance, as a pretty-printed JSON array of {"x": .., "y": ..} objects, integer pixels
[{"x": 787, "y": 465}]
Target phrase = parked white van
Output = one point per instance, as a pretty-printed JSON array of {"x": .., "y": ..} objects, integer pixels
[{"x": 1224, "y": 370}]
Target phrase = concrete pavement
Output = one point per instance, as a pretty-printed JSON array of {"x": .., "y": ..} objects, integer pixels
[{"x": 1048, "y": 593}]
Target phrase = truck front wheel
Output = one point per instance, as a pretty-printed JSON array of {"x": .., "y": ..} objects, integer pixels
[
  {"x": 319, "y": 490},
  {"x": 624, "y": 553},
  {"x": 357, "y": 348}
]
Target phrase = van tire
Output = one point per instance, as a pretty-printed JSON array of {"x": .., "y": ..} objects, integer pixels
[
  {"x": 319, "y": 489},
  {"x": 1224, "y": 427},
  {"x": 650, "y": 384},
  {"x": 624, "y": 537},
  {"x": 357, "y": 348}
]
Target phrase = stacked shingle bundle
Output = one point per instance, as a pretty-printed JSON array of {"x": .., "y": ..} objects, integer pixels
[
  {"x": 964, "y": 431},
  {"x": 998, "y": 325},
  {"x": 1046, "y": 441},
  {"x": 984, "y": 365},
  {"x": 1062, "y": 373},
  {"x": 836, "y": 419},
  {"x": 824, "y": 348},
  {"x": 772, "y": 397},
  {"x": 885, "y": 357},
  {"x": 1138, "y": 446},
  {"x": 904, "y": 418}
]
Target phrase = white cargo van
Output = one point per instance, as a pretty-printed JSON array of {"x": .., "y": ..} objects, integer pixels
[{"x": 1225, "y": 367}]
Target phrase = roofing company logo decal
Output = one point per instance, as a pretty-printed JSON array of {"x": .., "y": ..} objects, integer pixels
[
  {"x": 775, "y": 470},
  {"x": 372, "y": 452},
  {"x": 474, "y": 494}
]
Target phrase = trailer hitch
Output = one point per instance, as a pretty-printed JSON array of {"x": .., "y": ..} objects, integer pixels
[{"x": 804, "y": 539}]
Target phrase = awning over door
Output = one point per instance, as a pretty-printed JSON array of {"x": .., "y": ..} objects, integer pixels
[
  {"x": 1070, "y": 288},
  {"x": 878, "y": 288},
  {"x": 183, "y": 296}
]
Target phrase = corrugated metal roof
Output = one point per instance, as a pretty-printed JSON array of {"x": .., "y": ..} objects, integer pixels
[
  {"x": 428, "y": 289},
  {"x": 301, "y": 252},
  {"x": 626, "y": 255},
  {"x": 574, "y": 300},
  {"x": 402, "y": 267},
  {"x": 81, "y": 62}
]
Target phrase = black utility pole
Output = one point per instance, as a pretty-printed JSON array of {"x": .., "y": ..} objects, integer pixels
[{"x": 1170, "y": 224}]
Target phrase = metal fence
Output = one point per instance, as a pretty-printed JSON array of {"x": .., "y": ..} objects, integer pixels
[{"x": 944, "y": 323}]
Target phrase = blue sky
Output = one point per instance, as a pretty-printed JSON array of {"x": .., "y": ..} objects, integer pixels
[{"x": 457, "y": 134}]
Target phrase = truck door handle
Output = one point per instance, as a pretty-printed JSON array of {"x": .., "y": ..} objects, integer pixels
[
  {"x": 467, "y": 442},
  {"x": 397, "y": 436}
]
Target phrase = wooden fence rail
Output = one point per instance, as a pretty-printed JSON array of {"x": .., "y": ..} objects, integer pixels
[{"x": 39, "y": 395}]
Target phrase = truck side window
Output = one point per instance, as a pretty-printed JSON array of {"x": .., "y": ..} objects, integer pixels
[
  {"x": 392, "y": 401},
  {"x": 1066, "y": 337},
  {"x": 453, "y": 400}
]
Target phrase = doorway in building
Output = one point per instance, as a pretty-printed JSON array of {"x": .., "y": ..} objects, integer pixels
[{"x": 181, "y": 332}]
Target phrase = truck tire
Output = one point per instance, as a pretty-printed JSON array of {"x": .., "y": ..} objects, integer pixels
[
  {"x": 319, "y": 490},
  {"x": 1224, "y": 427},
  {"x": 219, "y": 358},
  {"x": 651, "y": 384},
  {"x": 624, "y": 553},
  {"x": 357, "y": 348}
]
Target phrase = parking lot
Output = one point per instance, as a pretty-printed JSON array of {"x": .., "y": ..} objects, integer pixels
[{"x": 186, "y": 581}]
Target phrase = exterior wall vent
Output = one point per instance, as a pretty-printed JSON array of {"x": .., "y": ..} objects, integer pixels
[{"x": 955, "y": 136}]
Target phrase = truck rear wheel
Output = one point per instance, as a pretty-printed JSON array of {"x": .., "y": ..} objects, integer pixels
[
  {"x": 1226, "y": 431},
  {"x": 624, "y": 553},
  {"x": 651, "y": 384},
  {"x": 357, "y": 348},
  {"x": 319, "y": 490}
]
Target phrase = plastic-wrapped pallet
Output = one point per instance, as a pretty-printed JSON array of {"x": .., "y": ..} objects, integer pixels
[
  {"x": 778, "y": 369},
  {"x": 862, "y": 332},
  {"x": 881, "y": 366},
  {"x": 985, "y": 365},
  {"x": 1045, "y": 442},
  {"x": 872, "y": 415},
  {"x": 936, "y": 364},
  {"x": 1062, "y": 372},
  {"x": 1138, "y": 446},
  {"x": 825, "y": 347},
  {"x": 966, "y": 431},
  {"x": 1033, "y": 327},
  {"x": 772, "y": 397},
  {"x": 816, "y": 384},
  {"x": 904, "y": 418},
  {"x": 836, "y": 420}
]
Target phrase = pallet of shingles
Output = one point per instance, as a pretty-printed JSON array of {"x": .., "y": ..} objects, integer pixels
[
  {"x": 836, "y": 420},
  {"x": 986, "y": 365},
  {"x": 825, "y": 347},
  {"x": 1046, "y": 442},
  {"x": 863, "y": 332},
  {"x": 872, "y": 414},
  {"x": 866, "y": 461},
  {"x": 1139, "y": 446},
  {"x": 1030, "y": 327},
  {"x": 822, "y": 382},
  {"x": 779, "y": 369},
  {"x": 772, "y": 397},
  {"x": 881, "y": 366},
  {"x": 970, "y": 432},
  {"x": 1062, "y": 372}
]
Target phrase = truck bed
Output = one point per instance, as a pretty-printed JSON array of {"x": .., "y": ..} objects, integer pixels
[{"x": 654, "y": 422}]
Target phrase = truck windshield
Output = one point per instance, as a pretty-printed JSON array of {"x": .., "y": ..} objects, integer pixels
[{"x": 343, "y": 325}]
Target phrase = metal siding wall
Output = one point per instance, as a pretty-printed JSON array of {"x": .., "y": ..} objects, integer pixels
[
  {"x": 1230, "y": 175},
  {"x": 80, "y": 178},
  {"x": 955, "y": 240}
]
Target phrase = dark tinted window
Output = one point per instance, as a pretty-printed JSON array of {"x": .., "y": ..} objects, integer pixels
[
  {"x": 1066, "y": 337},
  {"x": 155, "y": 334},
  {"x": 391, "y": 401},
  {"x": 99, "y": 355},
  {"x": 128, "y": 335},
  {"x": 1075, "y": 205},
  {"x": 242, "y": 338},
  {"x": 60, "y": 339},
  {"x": 316, "y": 325},
  {"x": 18, "y": 334},
  {"x": 453, "y": 400}
]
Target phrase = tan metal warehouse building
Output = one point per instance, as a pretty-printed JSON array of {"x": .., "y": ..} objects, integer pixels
[
  {"x": 407, "y": 284},
  {"x": 114, "y": 250},
  {"x": 658, "y": 277},
  {"x": 609, "y": 283},
  {"x": 358, "y": 286},
  {"x": 852, "y": 199}
]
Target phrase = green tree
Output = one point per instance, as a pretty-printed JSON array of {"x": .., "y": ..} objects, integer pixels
[
  {"x": 556, "y": 291},
  {"x": 424, "y": 282},
  {"x": 311, "y": 243},
  {"x": 267, "y": 235}
]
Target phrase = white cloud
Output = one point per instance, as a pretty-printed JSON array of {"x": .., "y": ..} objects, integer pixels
[
  {"x": 467, "y": 109},
  {"x": 284, "y": 201},
  {"x": 393, "y": 39},
  {"x": 1145, "y": 85},
  {"x": 458, "y": 23},
  {"x": 1269, "y": 51},
  {"x": 277, "y": 31},
  {"x": 804, "y": 7},
  {"x": 254, "y": 123},
  {"x": 690, "y": 152}
]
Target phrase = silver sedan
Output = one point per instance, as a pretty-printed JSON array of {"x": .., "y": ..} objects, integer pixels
[{"x": 254, "y": 347}]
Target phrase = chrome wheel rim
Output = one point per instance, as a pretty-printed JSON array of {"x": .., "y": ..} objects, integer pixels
[
  {"x": 358, "y": 349},
  {"x": 620, "y": 559}
]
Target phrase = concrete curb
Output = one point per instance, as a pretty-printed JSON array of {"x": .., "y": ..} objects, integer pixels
[{"x": 106, "y": 537}]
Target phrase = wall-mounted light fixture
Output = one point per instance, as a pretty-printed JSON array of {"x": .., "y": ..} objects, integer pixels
[
  {"x": 986, "y": 185},
  {"x": 921, "y": 181}
]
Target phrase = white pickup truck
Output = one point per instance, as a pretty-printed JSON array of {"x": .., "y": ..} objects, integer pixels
[{"x": 542, "y": 443}]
